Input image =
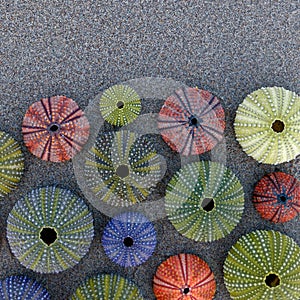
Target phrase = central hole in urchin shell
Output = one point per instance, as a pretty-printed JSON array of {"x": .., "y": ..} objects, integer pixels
[
  {"x": 208, "y": 204},
  {"x": 128, "y": 241},
  {"x": 283, "y": 198},
  {"x": 278, "y": 126},
  {"x": 272, "y": 280},
  {"x": 186, "y": 290},
  {"x": 122, "y": 171},
  {"x": 54, "y": 128},
  {"x": 48, "y": 235},
  {"x": 120, "y": 104}
]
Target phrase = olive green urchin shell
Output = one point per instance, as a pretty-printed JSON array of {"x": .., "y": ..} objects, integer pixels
[
  {"x": 120, "y": 105},
  {"x": 11, "y": 164},
  {"x": 50, "y": 230},
  {"x": 267, "y": 125},
  {"x": 204, "y": 201},
  {"x": 263, "y": 265},
  {"x": 107, "y": 286}
]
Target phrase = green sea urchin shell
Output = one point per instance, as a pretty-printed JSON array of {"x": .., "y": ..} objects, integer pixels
[
  {"x": 11, "y": 164},
  {"x": 50, "y": 230},
  {"x": 107, "y": 286},
  {"x": 267, "y": 125},
  {"x": 263, "y": 265},
  {"x": 120, "y": 105},
  {"x": 204, "y": 201},
  {"x": 121, "y": 168}
]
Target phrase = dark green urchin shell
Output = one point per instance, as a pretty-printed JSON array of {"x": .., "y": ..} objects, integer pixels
[
  {"x": 120, "y": 105},
  {"x": 204, "y": 201},
  {"x": 122, "y": 167},
  {"x": 267, "y": 125},
  {"x": 50, "y": 230},
  {"x": 11, "y": 164},
  {"x": 107, "y": 286},
  {"x": 263, "y": 265}
]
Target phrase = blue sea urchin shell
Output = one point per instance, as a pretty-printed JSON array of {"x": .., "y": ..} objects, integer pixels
[
  {"x": 50, "y": 229},
  {"x": 129, "y": 239},
  {"x": 263, "y": 265},
  {"x": 122, "y": 167},
  {"x": 22, "y": 288},
  {"x": 11, "y": 163},
  {"x": 204, "y": 201},
  {"x": 107, "y": 286},
  {"x": 267, "y": 125}
]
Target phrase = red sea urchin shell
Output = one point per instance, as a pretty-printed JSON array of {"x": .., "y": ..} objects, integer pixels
[
  {"x": 277, "y": 197},
  {"x": 55, "y": 128},
  {"x": 184, "y": 276},
  {"x": 191, "y": 121}
]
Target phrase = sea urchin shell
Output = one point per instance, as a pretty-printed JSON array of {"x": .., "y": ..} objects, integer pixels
[
  {"x": 120, "y": 105},
  {"x": 184, "y": 276},
  {"x": 191, "y": 121},
  {"x": 204, "y": 201},
  {"x": 22, "y": 288},
  {"x": 107, "y": 286},
  {"x": 55, "y": 128},
  {"x": 277, "y": 197},
  {"x": 129, "y": 239},
  {"x": 50, "y": 230},
  {"x": 267, "y": 125},
  {"x": 263, "y": 265},
  {"x": 11, "y": 164}
]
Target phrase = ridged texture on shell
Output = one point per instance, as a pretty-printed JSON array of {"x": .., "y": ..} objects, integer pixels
[
  {"x": 120, "y": 105},
  {"x": 277, "y": 197},
  {"x": 255, "y": 118},
  {"x": 129, "y": 239},
  {"x": 11, "y": 164},
  {"x": 22, "y": 288},
  {"x": 55, "y": 128},
  {"x": 185, "y": 197},
  {"x": 184, "y": 276},
  {"x": 252, "y": 260},
  {"x": 113, "y": 150},
  {"x": 55, "y": 209},
  {"x": 191, "y": 121},
  {"x": 107, "y": 286}
]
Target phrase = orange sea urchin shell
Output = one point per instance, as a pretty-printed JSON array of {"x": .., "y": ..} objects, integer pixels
[
  {"x": 184, "y": 276},
  {"x": 55, "y": 128},
  {"x": 277, "y": 197}
]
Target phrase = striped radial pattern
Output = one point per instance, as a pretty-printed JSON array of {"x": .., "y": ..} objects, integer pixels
[
  {"x": 191, "y": 121},
  {"x": 120, "y": 105},
  {"x": 107, "y": 286},
  {"x": 11, "y": 164},
  {"x": 22, "y": 288},
  {"x": 263, "y": 265},
  {"x": 55, "y": 128},
  {"x": 277, "y": 197},
  {"x": 50, "y": 230},
  {"x": 129, "y": 239},
  {"x": 184, "y": 277},
  {"x": 267, "y": 125},
  {"x": 187, "y": 193},
  {"x": 114, "y": 150}
]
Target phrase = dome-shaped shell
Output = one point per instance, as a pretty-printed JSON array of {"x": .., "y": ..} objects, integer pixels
[
  {"x": 55, "y": 128},
  {"x": 267, "y": 125},
  {"x": 184, "y": 277},
  {"x": 277, "y": 197}
]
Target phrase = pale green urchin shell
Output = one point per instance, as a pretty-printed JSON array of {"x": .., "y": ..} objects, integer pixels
[
  {"x": 204, "y": 201},
  {"x": 120, "y": 105},
  {"x": 50, "y": 230},
  {"x": 263, "y": 265},
  {"x": 267, "y": 125},
  {"x": 11, "y": 163},
  {"x": 107, "y": 286}
]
